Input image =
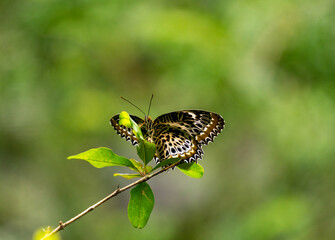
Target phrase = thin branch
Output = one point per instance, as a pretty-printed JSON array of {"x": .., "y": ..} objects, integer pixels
[{"x": 62, "y": 225}]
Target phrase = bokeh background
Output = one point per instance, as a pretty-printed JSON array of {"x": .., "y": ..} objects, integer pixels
[{"x": 268, "y": 67}]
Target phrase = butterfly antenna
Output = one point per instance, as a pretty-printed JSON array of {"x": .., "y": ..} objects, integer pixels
[
  {"x": 152, "y": 96},
  {"x": 133, "y": 104}
]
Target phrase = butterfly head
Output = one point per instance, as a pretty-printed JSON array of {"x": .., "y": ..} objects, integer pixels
[
  {"x": 147, "y": 118},
  {"x": 148, "y": 122}
]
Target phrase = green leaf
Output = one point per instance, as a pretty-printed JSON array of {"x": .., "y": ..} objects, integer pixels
[
  {"x": 166, "y": 162},
  {"x": 138, "y": 166},
  {"x": 140, "y": 205},
  {"x": 146, "y": 151},
  {"x": 126, "y": 120},
  {"x": 148, "y": 169},
  {"x": 127, "y": 176},
  {"x": 191, "y": 169},
  {"x": 103, "y": 157},
  {"x": 136, "y": 129},
  {"x": 42, "y": 232}
]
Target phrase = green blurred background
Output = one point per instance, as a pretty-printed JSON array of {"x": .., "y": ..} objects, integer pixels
[{"x": 268, "y": 67}]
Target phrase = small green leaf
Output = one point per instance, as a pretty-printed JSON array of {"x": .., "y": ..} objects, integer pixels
[
  {"x": 40, "y": 233},
  {"x": 146, "y": 151},
  {"x": 166, "y": 162},
  {"x": 136, "y": 129},
  {"x": 191, "y": 169},
  {"x": 125, "y": 119},
  {"x": 138, "y": 166},
  {"x": 125, "y": 122},
  {"x": 103, "y": 157},
  {"x": 148, "y": 169},
  {"x": 127, "y": 176},
  {"x": 140, "y": 205}
]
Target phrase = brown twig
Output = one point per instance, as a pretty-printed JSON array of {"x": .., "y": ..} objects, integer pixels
[{"x": 118, "y": 190}]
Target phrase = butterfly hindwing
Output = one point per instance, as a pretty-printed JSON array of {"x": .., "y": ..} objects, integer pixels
[
  {"x": 125, "y": 132},
  {"x": 175, "y": 143}
]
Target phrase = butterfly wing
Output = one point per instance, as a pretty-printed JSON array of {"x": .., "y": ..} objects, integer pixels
[
  {"x": 182, "y": 134},
  {"x": 174, "y": 143},
  {"x": 125, "y": 132}
]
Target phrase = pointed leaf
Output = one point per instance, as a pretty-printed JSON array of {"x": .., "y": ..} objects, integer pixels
[
  {"x": 146, "y": 151},
  {"x": 42, "y": 232},
  {"x": 103, "y": 157},
  {"x": 136, "y": 129},
  {"x": 127, "y": 176},
  {"x": 166, "y": 162},
  {"x": 140, "y": 205},
  {"x": 192, "y": 169},
  {"x": 148, "y": 169},
  {"x": 126, "y": 120},
  {"x": 138, "y": 166}
]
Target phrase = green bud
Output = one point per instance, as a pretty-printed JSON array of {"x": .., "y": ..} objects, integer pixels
[{"x": 125, "y": 119}]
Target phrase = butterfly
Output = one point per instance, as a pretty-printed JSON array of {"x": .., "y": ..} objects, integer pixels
[{"x": 179, "y": 134}]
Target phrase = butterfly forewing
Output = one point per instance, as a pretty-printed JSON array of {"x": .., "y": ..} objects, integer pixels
[{"x": 201, "y": 125}]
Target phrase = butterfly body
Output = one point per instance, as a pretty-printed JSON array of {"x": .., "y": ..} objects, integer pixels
[{"x": 179, "y": 134}]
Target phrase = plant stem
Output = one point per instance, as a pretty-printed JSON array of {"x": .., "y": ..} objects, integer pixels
[{"x": 62, "y": 225}]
